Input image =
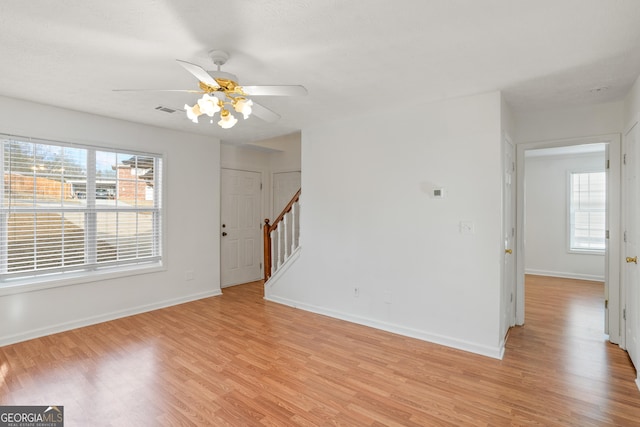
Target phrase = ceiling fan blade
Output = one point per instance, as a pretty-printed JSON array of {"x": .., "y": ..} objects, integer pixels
[
  {"x": 276, "y": 90},
  {"x": 264, "y": 113},
  {"x": 159, "y": 90},
  {"x": 199, "y": 73}
]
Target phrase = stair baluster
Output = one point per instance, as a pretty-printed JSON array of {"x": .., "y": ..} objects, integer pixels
[{"x": 281, "y": 238}]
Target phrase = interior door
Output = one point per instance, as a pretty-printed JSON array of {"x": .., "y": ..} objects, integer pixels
[
  {"x": 285, "y": 185},
  {"x": 509, "y": 233},
  {"x": 240, "y": 227},
  {"x": 631, "y": 240}
]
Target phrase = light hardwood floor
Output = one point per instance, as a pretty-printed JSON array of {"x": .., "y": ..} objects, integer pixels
[{"x": 239, "y": 360}]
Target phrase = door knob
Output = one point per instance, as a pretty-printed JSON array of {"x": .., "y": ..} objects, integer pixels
[
  {"x": 633, "y": 260},
  {"x": 224, "y": 233},
  {"x": 508, "y": 251}
]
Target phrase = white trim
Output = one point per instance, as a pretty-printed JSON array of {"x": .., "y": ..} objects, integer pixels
[
  {"x": 506, "y": 140},
  {"x": 565, "y": 275},
  {"x": 284, "y": 267},
  {"x": 92, "y": 320},
  {"x": 493, "y": 352},
  {"x": 31, "y": 284},
  {"x": 612, "y": 270},
  {"x": 622, "y": 264},
  {"x": 600, "y": 252}
]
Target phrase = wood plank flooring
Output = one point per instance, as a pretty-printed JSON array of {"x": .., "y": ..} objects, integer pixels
[{"x": 238, "y": 360}]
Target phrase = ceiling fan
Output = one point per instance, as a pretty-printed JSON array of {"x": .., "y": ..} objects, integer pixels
[{"x": 221, "y": 93}]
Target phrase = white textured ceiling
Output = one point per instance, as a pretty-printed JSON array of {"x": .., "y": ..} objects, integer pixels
[{"x": 353, "y": 56}]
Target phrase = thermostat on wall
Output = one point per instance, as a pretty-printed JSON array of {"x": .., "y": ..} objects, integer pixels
[{"x": 438, "y": 193}]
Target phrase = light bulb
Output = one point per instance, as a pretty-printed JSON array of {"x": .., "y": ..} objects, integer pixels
[
  {"x": 209, "y": 105},
  {"x": 243, "y": 106},
  {"x": 193, "y": 112},
  {"x": 227, "y": 120}
]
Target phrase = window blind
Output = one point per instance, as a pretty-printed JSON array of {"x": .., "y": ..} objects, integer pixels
[
  {"x": 77, "y": 208},
  {"x": 587, "y": 211}
]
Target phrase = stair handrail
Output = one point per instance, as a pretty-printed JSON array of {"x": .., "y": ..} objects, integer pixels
[{"x": 268, "y": 228}]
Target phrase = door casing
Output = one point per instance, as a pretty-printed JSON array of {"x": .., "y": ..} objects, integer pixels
[
  {"x": 509, "y": 236},
  {"x": 631, "y": 232},
  {"x": 612, "y": 269}
]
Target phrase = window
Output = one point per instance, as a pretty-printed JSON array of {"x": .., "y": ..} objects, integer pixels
[
  {"x": 587, "y": 211},
  {"x": 72, "y": 208}
]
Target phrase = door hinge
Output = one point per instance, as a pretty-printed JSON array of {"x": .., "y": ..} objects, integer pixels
[
  {"x": 625, "y": 236},
  {"x": 624, "y": 159},
  {"x": 511, "y": 300},
  {"x": 513, "y": 166},
  {"x": 606, "y": 234},
  {"x": 624, "y": 314},
  {"x": 260, "y": 266},
  {"x": 607, "y": 164},
  {"x": 606, "y": 304},
  {"x": 261, "y": 185}
]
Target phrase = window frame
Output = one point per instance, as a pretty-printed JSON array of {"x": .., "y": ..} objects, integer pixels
[
  {"x": 570, "y": 233},
  {"x": 18, "y": 282}
]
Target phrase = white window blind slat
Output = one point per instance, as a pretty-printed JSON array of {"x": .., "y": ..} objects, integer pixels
[
  {"x": 587, "y": 211},
  {"x": 70, "y": 208}
]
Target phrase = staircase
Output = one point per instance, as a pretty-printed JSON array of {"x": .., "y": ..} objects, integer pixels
[{"x": 282, "y": 238}]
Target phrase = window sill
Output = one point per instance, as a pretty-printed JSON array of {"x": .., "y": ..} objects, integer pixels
[
  {"x": 586, "y": 252},
  {"x": 32, "y": 284}
]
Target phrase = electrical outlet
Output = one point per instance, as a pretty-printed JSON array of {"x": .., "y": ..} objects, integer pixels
[{"x": 188, "y": 275}]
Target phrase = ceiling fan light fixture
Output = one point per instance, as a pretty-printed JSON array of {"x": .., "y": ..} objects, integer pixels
[
  {"x": 193, "y": 112},
  {"x": 243, "y": 105},
  {"x": 222, "y": 93},
  {"x": 227, "y": 121},
  {"x": 209, "y": 105}
]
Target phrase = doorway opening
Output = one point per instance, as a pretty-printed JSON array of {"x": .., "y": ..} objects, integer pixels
[{"x": 569, "y": 215}]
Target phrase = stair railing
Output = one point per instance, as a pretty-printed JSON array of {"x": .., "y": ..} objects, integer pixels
[{"x": 282, "y": 237}]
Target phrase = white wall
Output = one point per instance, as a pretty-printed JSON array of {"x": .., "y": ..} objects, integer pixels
[
  {"x": 369, "y": 221},
  {"x": 285, "y": 152},
  {"x": 632, "y": 105},
  {"x": 546, "y": 217},
  {"x": 553, "y": 125},
  {"x": 192, "y": 241},
  {"x": 269, "y": 156}
]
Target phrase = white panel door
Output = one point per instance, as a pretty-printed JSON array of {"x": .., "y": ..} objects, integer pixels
[
  {"x": 509, "y": 232},
  {"x": 285, "y": 185},
  {"x": 240, "y": 227},
  {"x": 632, "y": 239}
]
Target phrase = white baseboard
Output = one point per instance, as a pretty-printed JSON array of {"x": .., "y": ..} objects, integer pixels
[
  {"x": 564, "y": 275},
  {"x": 493, "y": 352},
  {"x": 92, "y": 320}
]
